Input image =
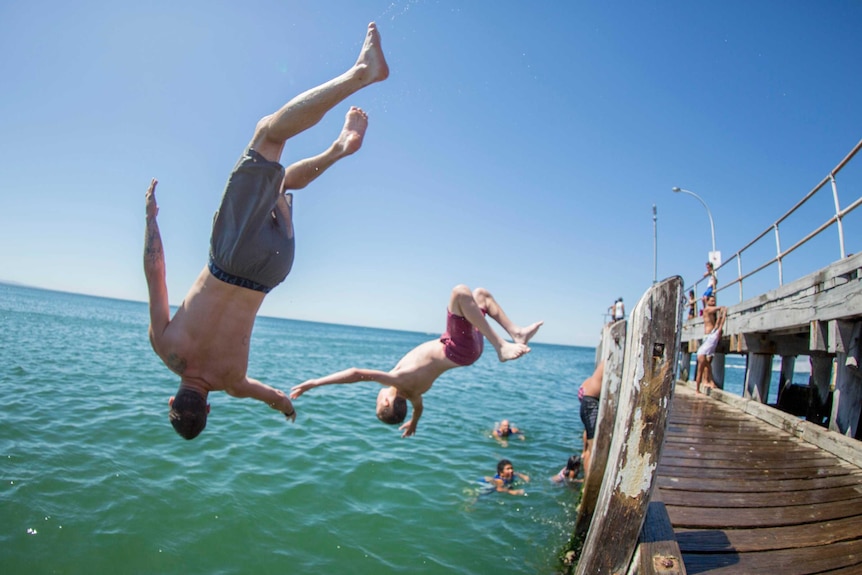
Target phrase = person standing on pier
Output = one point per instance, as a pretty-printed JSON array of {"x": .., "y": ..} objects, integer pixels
[
  {"x": 617, "y": 311},
  {"x": 713, "y": 323},
  {"x": 711, "y": 283}
]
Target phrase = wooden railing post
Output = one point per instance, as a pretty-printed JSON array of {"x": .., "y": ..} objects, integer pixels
[
  {"x": 645, "y": 396},
  {"x": 612, "y": 353}
]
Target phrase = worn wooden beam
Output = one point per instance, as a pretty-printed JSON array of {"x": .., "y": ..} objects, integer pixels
[
  {"x": 613, "y": 352},
  {"x": 818, "y": 337},
  {"x": 842, "y": 336},
  {"x": 796, "y": 343},
  {"x": 829, "y": 293},
  {"x": 645, "y": 397},
  {"x": 832, "y": 293}
]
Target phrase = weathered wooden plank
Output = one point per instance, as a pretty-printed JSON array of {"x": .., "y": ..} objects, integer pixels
[
  {"x": 657, "y": 552},
  {"x": 740, "y": 518},
  {"x": 775, "y": 486},
  {"x": 841, "y": 446},
  {"x": 847, "y": 555},
  {"x": 741, "y": 450},
  {"x": 764, "y": 504},
  {"x": 811, "y": 496},
  {"x": 761, "y": 463},
  {"x": 613, "y": 352},
  {"x": 695, "y": 436},
  {"x": 763, "y": 475},
  {"x": 645, "y": 398},
  {"x": 789, "y": 537}
]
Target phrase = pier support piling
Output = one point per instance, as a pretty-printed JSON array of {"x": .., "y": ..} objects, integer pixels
[
  {"x": 847, "y": 398},
  {"x": 757, "y": 376},
  {"x": 718, "y": 370}
]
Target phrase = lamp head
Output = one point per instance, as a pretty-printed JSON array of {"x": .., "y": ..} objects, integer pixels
[{"x": 675, "y": 189}]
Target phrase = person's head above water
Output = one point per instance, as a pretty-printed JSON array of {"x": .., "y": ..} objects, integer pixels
[
  {"x": 505, "y": 429},
  {"x": 391, "y": 408},
  {"x": 573, "y": 466},
  {"x": 188, "y": 413}
]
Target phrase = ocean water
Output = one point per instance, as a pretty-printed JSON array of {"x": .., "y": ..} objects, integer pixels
[{"x": 94, "y": 480}]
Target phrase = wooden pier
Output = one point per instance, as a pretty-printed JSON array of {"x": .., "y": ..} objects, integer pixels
[
  {"x": 744, "y": 496},
  {"x": 818, "y": 316},
  {"x": 723, "y": 484}
]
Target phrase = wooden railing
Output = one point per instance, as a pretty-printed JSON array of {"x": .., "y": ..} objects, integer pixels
[
  {"x": 618, "y": 535},
  {"x": 836, "y": 219}
]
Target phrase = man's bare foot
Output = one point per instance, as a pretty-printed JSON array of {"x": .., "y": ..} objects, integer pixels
[
  {"x": 525, "y": 334},
  {"x": 512, "y": 351},
  {"x": 350, "y": 138},
  {"x": 371, "y": 60}
]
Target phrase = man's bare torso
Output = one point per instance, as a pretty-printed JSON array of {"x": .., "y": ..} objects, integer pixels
[
  {"x": 417, "y": 371},
  {"x": 207, "y": 340},
  {"x": 709, "y": 318}
]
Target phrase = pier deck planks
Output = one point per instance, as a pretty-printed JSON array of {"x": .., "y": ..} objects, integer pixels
[{"x": 746, "y": 497}]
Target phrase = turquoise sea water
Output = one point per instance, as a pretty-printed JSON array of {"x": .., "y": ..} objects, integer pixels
[{"x": 94, "y": 480}]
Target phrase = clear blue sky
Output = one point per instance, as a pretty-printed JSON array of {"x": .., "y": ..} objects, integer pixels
[{"x": 518, "y": 146}]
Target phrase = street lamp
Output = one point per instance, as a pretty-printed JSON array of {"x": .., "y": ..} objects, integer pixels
[
  {"x": 654, "y": 245},
  {"x": 714, "y": 256}
]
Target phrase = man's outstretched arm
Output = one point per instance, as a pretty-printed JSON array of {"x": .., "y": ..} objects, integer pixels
[
  {"x": 410, "y": 427},
  {"x": 154, "y": 270},
  {"x": 351, "y": 375},
  {"x": 274, "y": 398}
]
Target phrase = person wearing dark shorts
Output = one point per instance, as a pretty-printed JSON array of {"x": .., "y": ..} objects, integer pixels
[
  {"x": 206, "y": 342},
  {"x": 459, "y": 346},
  {"x": 589, "y": 414},
  {"x": 590, "y": 393}
]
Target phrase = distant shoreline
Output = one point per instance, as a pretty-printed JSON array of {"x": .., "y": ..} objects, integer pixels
[{"x": 173, "y": 307}]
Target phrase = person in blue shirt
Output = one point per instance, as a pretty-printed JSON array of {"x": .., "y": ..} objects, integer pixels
[{"x": 504, "y": 480}]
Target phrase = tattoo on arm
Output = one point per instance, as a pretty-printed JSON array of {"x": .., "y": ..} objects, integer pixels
[
  {"x": 175, "y": 363},
  {"x": 153, "y": 250}
]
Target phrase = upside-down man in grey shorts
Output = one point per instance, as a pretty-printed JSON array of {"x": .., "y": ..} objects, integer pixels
[{"x": 206, "y": 343}]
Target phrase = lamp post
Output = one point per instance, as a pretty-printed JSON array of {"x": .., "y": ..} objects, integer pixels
[
  {"x": 714, "y": 256},
  {"x": 654, "y": 245}
]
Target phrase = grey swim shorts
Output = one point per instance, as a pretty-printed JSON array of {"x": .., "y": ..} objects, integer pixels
[{"x": 252, "y": 243}]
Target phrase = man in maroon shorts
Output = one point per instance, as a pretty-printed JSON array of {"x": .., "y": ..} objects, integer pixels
[{"x": 459, "y": 346}]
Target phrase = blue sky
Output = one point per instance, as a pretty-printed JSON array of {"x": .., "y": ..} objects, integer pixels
[{"x": 519, "y": 146}]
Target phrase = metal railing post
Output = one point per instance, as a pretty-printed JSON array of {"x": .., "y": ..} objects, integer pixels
[
  {"x": 838, "y": 214},
  {"x": 778, "y": 255}
]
